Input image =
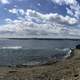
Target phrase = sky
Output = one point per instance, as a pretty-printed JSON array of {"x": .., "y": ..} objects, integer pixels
[{"x": 40, "y": 18}]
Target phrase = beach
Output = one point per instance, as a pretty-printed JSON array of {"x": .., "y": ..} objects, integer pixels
[{"x": 67, "y": 69}]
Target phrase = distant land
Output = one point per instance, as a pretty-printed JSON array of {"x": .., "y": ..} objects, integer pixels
[{"x": 43, "y": 38}]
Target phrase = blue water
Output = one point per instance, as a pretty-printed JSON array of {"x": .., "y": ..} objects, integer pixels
[
  {"x": 39, "y": 44},
  {"x": 13, "y": 52}
]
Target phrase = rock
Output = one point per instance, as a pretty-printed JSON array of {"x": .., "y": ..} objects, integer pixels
[
  {"x": 78, "y": 46},
  {"x": 76, "y": 75},
  {"x": 13, "y": 71}
]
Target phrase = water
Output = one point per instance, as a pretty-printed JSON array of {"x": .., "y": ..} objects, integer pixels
[{"x": 14, "y": 52}]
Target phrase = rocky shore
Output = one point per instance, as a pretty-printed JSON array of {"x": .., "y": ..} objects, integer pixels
[{"x": 67, "y": 69}]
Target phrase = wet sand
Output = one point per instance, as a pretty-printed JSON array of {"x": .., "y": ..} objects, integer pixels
[{"x": 67, "y": 69}]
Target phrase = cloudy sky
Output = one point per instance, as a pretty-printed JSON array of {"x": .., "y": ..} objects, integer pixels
[{"x": 40, "y": 18}]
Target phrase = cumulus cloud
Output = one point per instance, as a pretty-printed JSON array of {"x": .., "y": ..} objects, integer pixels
[
  {"x": 73, "y": 4},
  {"x": 67, "y": 2},
  {"x": 7, "y": 1},
  {"x": 8, "y": 20},
  {"x": 29, "y": 28},
  {"x": 32, "y": 23},
  {"x": 39, "y": 17},
  {"x": 52, "y": 17},
  {"x": 14, "y": 11},
  {"x": 69, "y": 11},
  {"x": 4, "y": 1},
  {"x": 17, "y": 11},
  {"x": 40, "y": 25}
]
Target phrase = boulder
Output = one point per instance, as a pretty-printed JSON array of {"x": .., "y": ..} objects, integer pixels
[{"x": 78, "y": 46}]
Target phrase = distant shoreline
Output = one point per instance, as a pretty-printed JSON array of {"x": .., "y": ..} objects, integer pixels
[
  {"x": 41, "y": 39},
  {"x": 34, "y": 38}
]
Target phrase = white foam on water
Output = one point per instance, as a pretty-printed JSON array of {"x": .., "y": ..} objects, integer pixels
[
  {"x": 64, "y": 49},
  {"x": 67, "y": 51},
  {"x": 68, "y": 54},
  {"x": 11, "y": 47}
]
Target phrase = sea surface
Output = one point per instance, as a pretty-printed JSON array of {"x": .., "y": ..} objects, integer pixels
[{"x": 31, "y": 52}]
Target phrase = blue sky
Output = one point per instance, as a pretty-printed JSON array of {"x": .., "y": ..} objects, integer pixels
[{"x": 40, "y": 18}]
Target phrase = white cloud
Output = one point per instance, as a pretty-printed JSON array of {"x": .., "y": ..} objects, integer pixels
[
  {"x": 40, "y": 25},
  {"x": 39, "y": 4},
  {"x": 69, "y": 11},
  {"x": 4, "y": 1},
  {"x": 21, "y": 11},
  {"x": 67, "y": 2},
  {"x": 52, "y": 17},
  {"x": 43, "y": 25},
  {"x": 14, "y": 11},
  {"x": 44, "y": 18},
  {"x": 8, "y": 20},
  {"x": 73, "y": 4},
  {"x": 29, "y": 28},
  {"x": 17, "y": 11},
  {"x": 76, "y": 9}
]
